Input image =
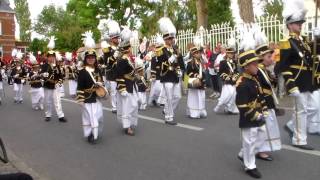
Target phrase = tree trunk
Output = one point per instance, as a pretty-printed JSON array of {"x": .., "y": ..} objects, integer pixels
[
  {"x": 246, "y": 10},
  {"x": 202, "y": 13}
]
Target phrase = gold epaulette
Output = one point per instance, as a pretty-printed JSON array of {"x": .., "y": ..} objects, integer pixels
[
  {"x": 239, "y": 81},
  {"x": 284, "y": 44},
  {"x": 159, "y": 51},
  {"x": 105, "y": 50}
]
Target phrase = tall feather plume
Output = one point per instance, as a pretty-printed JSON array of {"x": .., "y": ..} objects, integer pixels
[
  {"x": 126, "y": 34},
  {"x": 197, "y": 41},
  {"x": 113, "y": 27},
  {"x": 259, "y": 36},
  {"x": 88, "y": 40},
  {"x": 14, "y": 52},
  {"x": 159, "y": 40},
  {"x": 103, "y": 28},
  {"x": 232, "y": 42},
  {"x": 247, "y": 39},
  {"x": 293, "y": 8},
  {"x": 166, "y": 26},
  {"x": 104, "y": 45},
  {"x": 51, "y": 43},
  {"x": 32, "y": 59},
  {"x": 138, "y": 63},
  {"x": 58, "y": 56},
  {"x": 68, "y": 56}
]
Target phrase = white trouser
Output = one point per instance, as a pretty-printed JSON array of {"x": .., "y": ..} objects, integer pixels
[
  {"x": 92, "y": 119},
  {"x": 53, "y": 101},
  {"x": 61, "y": 90},
  {"x": 142, "y": 100},
  {"x": 127, "y": 109},
  {"x": 305, "y": 110},
  {"x": 252, "y": 140},
  {"x": 155, "y": 91},
  {"x": 281, "y": 86},
  {"x": 227, "y": 100},
  {"x": 162, "y": 99},
  {"x": 18, "y": 89},
  {"x": 273, "y": 140},
  {"x": 37, "y": 97},
  {"x": 173, "y": 95},
  {"x": 314, "y": 123},
  {"x": 112, "y": 86},
  {"x": 196, "y": 103},
  {"x": 72, "y": 87}
]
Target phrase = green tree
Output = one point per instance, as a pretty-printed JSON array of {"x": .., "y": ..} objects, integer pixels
[
  {"x": 274, "y": 7},
  {"x": 23, "y": 18},
  {"x": 37, "y": 45}
]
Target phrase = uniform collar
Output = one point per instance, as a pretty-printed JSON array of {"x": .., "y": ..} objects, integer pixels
[{"x": 248, "y": 76}]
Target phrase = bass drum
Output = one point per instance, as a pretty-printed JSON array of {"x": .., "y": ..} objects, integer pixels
[
  {"x": 101, "y": 91},
  {"x": 194, "y": 83}
]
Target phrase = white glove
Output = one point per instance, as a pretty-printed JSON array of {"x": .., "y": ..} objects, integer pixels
[
  {"x": 172, "y": 58},
  {"x": 16, "y": 76},
  {"x": 179, "y": 73},
  {"x": 116, "y": 54},
  {"x": 295, "y": 93},
  {"x": 260, "y": 117},
  {"x": 22, "y": 81},
  {"x": 124, "y": 93},
  {"x": 45, "y": 74},
  {"x": 316, "y": 32}
]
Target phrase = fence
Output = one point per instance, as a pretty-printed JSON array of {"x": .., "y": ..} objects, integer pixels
[{"x": 274, "y": 29}]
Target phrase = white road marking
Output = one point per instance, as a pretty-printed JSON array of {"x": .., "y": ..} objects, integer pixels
[
  {"x": 291, "y": 148},
  {"x": 161, "y": 121}
]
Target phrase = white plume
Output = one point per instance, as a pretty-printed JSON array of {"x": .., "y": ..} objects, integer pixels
[
  {"x": 232, "y": 42},
  {"x": 138, "y": 63},
  {"x": 19, "y": 55},
  {"x": 159, "y": 40},
  {"x": 51, "y": 43},
  {"x": 88, "y": 41},
  {"x": 113, "y": 27},
  {"x": 32, "y": 59},
  {"x": 166, "y": 26},
  {"x": 68, "y": 56},
  {"x": 58, "y": 56},
  {"x": 104, "y": 44},
  {"x": 197, "y": 41},
  {"x": 259, "y": 36},
  {"x": 14, "y": 52},
  {"x": 293, "y": 8},
  {"x": 247, "y": 40},
  {"x": 126, "y": 34}
]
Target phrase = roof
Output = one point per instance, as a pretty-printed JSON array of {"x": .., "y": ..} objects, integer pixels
[{"x": 5, "y": 6}]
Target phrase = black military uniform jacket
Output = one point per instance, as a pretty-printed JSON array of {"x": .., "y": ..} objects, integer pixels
[
  {"x": 228, "y": 71},
  {"x": 142, "y": 84},
  {"x": 55, "y": 76},
  {"x": 250, "y": 101},
  {"x": 266, "y": 85},
  {"x": 125, "y": 75},
  {"x": 110, "y": 62},
  {"x": 86, "y": 89},
  {"x": 22, "y": 75},
  {"x": 35, "y": 80},
  {"x": 193, "y": 71},
  {"x": 155, "y": 68},
  {"x": 72, "y": 73},
  {"x": 168, "y": 71},
  {"x": 296, "y": 72}
]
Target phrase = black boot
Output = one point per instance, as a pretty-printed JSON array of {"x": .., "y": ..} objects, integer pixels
[
  {"x": 173, "y": 123},
  {"x": 254, "y": 173},
  {"x": 47, "y": 119},
  {"x": 90, "y": 138},
  {"x": 63, "y": 119}
]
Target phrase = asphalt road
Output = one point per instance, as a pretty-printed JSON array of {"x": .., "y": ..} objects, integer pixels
[{"x": 203, "y": 149}]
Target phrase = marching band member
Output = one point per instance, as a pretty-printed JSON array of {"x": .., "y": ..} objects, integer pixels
[
  {"x": 60, "y": 65},
  {"x": 170, "y": 70},
  {"x": 2, "y": 75},
  {"x": 110, "y": 54},
  {"x": 19, "y": 74},
  {"x": 36, "y": 90},
  {"x": 196, "y": 103},
  {"x": 89, "y": 79},
  {"x": 141, "y": 83},
  {"x": 229, "y": 75},
  {"x": 72, "y": 75},
  {"x": 127, "y": 107},
  {"x": 273, "y": 140},
  {"x": 296, "y": 68},
  {"x": 252, "y": 106},
  {"x": 52, "y": 77},
  {"x": 156, "y": 85}
]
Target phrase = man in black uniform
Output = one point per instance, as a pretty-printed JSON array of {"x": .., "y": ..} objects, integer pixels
[{"x": 296, "y": 67}]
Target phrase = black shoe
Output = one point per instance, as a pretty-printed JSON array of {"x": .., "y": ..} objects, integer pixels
[
  {"x": 171, "y": 123},
  {"x": 20, "y": 102},
  {"x": 129, "y": 132},
  {"x": 154, "y": 103},
  {"x": 63, "y": 119},
  {"x": 231, "y": 113},
  {"x": 268, "y": 158},
  {"x": 254, "y": 173},
  {"x": 90, "y": 138},
  {"x": 304, "y": 147},
  {"x": 162, "y": 105},
  {"x": 114, "y": 111},
  {"x": 47, "y": 119},
  {"x": 286, "y": 128}
]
